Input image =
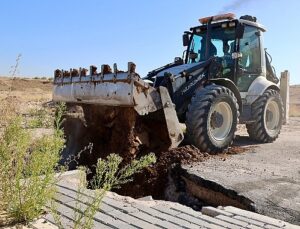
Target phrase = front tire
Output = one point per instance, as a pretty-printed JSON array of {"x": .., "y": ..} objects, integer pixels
[
  {"x": 267, "y": 111},
  {"x": 212, "y": 118}
]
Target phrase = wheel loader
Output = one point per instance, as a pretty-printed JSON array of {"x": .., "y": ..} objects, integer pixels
[{"x": 224, "y": 77}]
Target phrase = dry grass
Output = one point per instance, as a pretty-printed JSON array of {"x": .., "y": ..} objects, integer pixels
[
  {"x": 21, "y": 96},
  {"x": 25, "y": 90}
]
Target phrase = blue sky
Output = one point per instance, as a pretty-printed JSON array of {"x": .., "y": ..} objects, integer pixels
[{"x": 67, "y": 34}]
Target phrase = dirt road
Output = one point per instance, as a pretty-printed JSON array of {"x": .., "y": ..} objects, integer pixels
[{"x": 267, "y": 174}]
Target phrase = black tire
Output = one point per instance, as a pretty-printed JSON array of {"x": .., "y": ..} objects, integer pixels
[
  {"x": 199, "y": 118},
  {"x": 258, "y": 130}
]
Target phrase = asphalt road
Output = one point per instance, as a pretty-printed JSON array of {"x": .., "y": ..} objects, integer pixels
[{"x": 267, "y": 174}]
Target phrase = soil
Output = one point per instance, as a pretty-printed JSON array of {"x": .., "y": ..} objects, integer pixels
[
  {"x": 153, "y": 180},
  {"x": 111, "y": 130},
  {"x": 25, "y": 84},
  {"x": 123, "y": 132}
]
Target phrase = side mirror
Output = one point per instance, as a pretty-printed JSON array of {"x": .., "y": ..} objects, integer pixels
[
  {"x": 193, "y": 56},
  {"x": 240, "y": 29},
  {"x": 185, "y": 39},
  {"x": 178, "y": 60}
]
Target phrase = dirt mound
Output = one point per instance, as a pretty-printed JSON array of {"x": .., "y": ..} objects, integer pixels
[
  {"x": 123, "y": 132},
  {"x": 111, "y": 130},
  {"x": 154, "y": 179}
]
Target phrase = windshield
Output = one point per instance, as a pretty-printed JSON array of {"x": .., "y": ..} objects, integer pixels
[{"x": 222, "y": 44}]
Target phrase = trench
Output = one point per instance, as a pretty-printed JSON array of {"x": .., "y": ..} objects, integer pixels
[
  {"x": 177, "y": 185},
  {"x": 165, "y": 180},
  {"x": 197, "y": 192}
]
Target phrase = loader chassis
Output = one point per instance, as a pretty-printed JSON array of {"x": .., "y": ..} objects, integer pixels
[{"x": 224, "y": 77}]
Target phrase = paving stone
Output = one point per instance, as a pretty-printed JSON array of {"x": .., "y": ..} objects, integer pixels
[
  {"x": 186, "y": 210},
  {"x": 101, "y": 217},
  {"x": 219, "y": 222},
  {"x": 251, "y": 226},
  {"x": 291, "y": 226},
  {"x": 118, "y": 212},
  {"x": 146, "y": 198},
  {"x": 154, "y": 221},
  {"x": 211, "y": 211},
  {"x": 268, "y": 226},
  {"x": 125, "y": 207},
  {"x": 131, "y": 219},
  {"x": 255, "y": 216},
  {"x": 200, "y": 221},
  {"x": 65, "y": 193},
  {"x": 67, "y": 214},
  {"x": 163, "y": 216},
  {"x": 64, "y": 198},
  {"x": 251, "y": 221},
  {"x": 166, "y": 209},
  {"x": 232, "y": 220}
]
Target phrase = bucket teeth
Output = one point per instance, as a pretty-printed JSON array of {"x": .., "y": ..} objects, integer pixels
[
  {"x": 115, "y": 67},
  {"x": 93, "y": 70},
  {"x": 83, "y": 72},
  {"x": 105, "y": 69},
  {"x": 74, "y": 72},
  {"x": 66, "y": 73},
  {"x": 57, "y": 73},
  {"x": 131, "y": 67}
]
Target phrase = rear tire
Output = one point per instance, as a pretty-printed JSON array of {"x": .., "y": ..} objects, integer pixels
[
  {"x": 212, "y": 118},
  {"x": 267, "y": 111}
]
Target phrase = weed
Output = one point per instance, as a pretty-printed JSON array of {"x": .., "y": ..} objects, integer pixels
[
  {"x": 108, "y": 175},
  {"x": 27, "y": 169},
  {"x": 40, "y": 117},
  {"x": 14, "y": 69}
]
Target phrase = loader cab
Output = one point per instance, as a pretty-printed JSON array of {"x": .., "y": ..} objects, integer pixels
[
  {"x": 251, "y": 62},
  {"x": 235, "y": 43}
]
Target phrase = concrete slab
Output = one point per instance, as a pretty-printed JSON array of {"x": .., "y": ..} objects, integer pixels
[{"x": 125, "y": 212}]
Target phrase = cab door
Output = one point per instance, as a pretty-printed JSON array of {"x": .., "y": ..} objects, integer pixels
[{"x": 250, "y": 63}]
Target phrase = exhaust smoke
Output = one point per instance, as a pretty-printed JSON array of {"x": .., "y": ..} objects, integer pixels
[{"x": 234, "y": 5}]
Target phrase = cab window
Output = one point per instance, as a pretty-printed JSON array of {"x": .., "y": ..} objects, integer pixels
[{"x": 250, "y": 62}]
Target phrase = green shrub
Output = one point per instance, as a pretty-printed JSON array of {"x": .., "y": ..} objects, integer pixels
[
  {"x": 28, "y": 173},
  {"x": 27, "y": 169},
  {"x": 108, "y": 175},
  {"x": 39, "y": 117}
]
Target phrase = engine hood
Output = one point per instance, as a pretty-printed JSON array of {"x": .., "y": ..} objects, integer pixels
[{"x": 177, "y": 69}]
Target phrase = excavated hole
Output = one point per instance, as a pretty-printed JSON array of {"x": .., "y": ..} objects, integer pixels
[
  {"x": 121, "y": 131},
  {"x": 196, "y": 192}
]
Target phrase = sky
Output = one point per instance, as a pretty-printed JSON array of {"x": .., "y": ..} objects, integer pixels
[{"x": 64, "y": 34}]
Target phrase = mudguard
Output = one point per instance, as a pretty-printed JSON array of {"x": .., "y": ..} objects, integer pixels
[{"x": 257, "y": 88}]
